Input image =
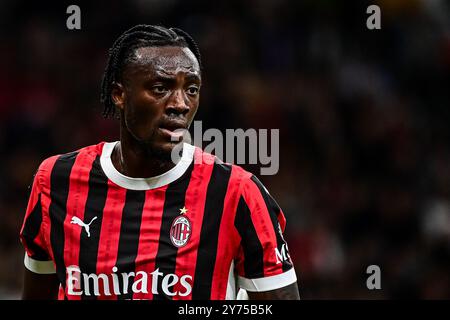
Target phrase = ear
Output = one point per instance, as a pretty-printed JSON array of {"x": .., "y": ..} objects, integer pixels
[{"x": 118, "y": 95}]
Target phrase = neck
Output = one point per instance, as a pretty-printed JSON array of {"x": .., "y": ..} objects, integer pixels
[{"x": 136, "y": 160}]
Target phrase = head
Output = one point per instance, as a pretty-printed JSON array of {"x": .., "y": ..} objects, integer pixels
[{"x": 152, "y": 82}]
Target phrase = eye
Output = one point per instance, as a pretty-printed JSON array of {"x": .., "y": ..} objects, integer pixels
[
  {"x": 159, "y": 89},
  {"x": 193, "y": 90}
]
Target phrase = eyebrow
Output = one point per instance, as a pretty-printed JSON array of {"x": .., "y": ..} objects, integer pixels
[{"x": 161, "y": 77}]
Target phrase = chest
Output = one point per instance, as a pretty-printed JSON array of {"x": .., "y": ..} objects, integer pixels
[{"x": 131, "y": 230}]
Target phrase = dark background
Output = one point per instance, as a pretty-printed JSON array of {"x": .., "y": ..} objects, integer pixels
[{"x": 363, "y": 116}]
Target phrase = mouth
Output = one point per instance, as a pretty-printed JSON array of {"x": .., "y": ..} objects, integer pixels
[{"x": 173, "y": 129}]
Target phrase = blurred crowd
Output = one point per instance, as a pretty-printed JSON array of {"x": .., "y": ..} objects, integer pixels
[{"x": 363, "y": 115}]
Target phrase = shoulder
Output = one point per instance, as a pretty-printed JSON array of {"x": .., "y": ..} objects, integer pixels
[
  {"x": 47, "y": 166},
  {"x": 236, "y": 175},
  {"x": 244, "y": 182}
]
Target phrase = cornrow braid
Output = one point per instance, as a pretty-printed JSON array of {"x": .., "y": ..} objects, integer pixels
[{"x": 121, "y": 53}]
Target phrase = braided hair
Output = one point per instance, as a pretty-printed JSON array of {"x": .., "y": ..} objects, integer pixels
[{"x": 122, "y": 51}]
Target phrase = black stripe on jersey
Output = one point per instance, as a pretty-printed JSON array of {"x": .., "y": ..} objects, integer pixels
[
  {"x": 130, "y": 230},
  {"x": 166, "y": 257},
  {"x": 274, "y": 211},
  {"x": 209, "y": 235},
  {"x": 31, "y": 230},
  {"x": 59, "y": 192},
  {"x": 95, "y": 203},
  {"x": 253, "y": 250}
]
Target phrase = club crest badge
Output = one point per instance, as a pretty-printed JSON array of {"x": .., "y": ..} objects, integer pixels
[{"x": 180, "y": 231}]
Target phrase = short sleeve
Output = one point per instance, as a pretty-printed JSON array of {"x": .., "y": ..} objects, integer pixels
[
  {"x": 32, "y": 233},
  {"x": 263, "y": 262}
]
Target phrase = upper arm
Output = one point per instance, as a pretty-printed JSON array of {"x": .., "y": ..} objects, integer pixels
[
  {"x": 289, "y": 292},
  {"x": 34, "y": 233},
  {"x": 40, "y": 281},
  {"x": 40, "y": 286},
  {"x": 263, "y": 264}
]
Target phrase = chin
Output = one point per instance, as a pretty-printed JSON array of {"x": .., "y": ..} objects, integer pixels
[
  {"x": 167, "y": 148},
  {"x": 161, "y": 150}
]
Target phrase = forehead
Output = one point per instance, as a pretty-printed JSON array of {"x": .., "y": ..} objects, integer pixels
[{"x": 166, "y": 58}]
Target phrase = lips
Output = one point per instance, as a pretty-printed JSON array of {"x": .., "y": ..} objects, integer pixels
[
  {"x": 173, "y": 129},
  {"x": 173, "y": 125}
]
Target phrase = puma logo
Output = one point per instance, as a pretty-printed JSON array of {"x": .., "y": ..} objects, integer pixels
[{"x": 76, "y": 220}]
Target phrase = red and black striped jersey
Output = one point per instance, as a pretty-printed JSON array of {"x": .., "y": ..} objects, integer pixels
[{"x": 202, "y": 230}]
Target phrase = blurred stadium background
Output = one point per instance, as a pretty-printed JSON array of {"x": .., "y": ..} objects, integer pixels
[{"x": 363, "y": 116}]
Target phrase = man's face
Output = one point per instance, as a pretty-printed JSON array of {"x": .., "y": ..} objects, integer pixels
[{"x": 159, "y": 96}]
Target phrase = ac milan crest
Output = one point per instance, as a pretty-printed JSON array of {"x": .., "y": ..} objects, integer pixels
[{"x": 180, "y": 231}]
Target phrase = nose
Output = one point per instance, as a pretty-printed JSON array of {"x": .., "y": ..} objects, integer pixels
[{"x": 177, "y": 103}]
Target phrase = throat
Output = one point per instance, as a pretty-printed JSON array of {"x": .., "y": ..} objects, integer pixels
[{"x": 139, "y": 163}]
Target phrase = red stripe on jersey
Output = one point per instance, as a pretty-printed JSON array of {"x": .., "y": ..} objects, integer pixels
[
  {"x": 34, "y": 197},
  {"x": 34, "y": 243},
  {"x": 149, "y": 237},
  {"x": 46, "y": 170},
  {"x": 240, "y": 266},
  {"x": 76, "y": 201},
  {"x": 264, "y": 228},
  {"x": 109, "y": 234},
  {"x": 61, "y": 293},
  {"x": 40, "y": 241},
  {"x": 195, "y": 200},
  {"x": 281, "y": 220},
  {"x": 228, "y": 237}
]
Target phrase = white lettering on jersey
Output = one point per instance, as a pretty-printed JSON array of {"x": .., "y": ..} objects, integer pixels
[
  {"x": 111, "y": 283},
  {"x": 283, "y": 255}
]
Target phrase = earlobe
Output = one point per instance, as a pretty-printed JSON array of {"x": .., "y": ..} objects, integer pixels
[{"x": 118, "y": 95}]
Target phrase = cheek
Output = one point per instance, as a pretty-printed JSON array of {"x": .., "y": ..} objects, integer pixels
[
  {"x": 141, "y": 115},
  {"x": 192, "y": 111}
]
